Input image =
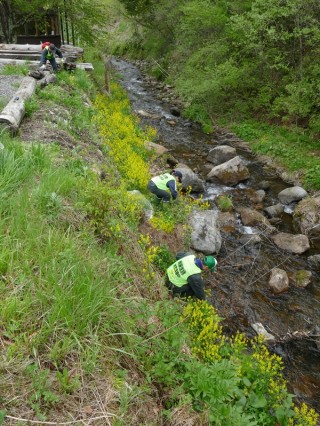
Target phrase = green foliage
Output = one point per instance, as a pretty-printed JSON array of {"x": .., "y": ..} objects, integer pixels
[
  {"x": 42, "y": 396},
  {"x": 31, "y": 106},
  {"x": 224, "y": 203},
  {"x": 67, "y": 383},
  {"x": 15, "y": 70},
  {"x": 293, "y": 148}
]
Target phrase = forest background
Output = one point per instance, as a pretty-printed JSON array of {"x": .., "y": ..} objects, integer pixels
[{"x": 250, "y": 66}]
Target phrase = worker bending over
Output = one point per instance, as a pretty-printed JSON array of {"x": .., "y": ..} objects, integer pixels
[{"x": 165, "y": 186}]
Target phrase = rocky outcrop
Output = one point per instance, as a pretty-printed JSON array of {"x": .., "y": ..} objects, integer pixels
[
  {"x": 306, "y": 217},
  {"x": 292, "y": 243},
  {"x": 205, "y": 234},
  {"x": 230, "y": 172},
  {"x": 279, "y": 281}
]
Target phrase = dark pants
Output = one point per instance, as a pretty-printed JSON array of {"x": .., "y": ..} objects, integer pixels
[
  {"x": 185, "y": 291},
  {"x": 53, "y": 64},
  {"x": 159, "y": 193}
]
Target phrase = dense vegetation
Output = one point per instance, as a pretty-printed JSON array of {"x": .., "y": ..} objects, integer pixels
[
  {"x": 88, "y": 331},
  {"x": 250, "y": 66}
]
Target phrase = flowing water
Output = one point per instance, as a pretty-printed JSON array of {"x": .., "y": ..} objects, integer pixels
[{"x": 240, "y": 289}]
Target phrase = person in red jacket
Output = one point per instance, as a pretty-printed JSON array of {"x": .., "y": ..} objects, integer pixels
[{"x": 48, "y": 54}]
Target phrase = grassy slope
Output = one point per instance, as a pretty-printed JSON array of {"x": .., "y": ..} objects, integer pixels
[{"x": 87, "y": 331}]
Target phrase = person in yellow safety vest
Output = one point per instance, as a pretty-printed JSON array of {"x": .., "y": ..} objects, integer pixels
[
  {"x": 165, "y": 186},
  {"x": 48, "y": 54},
  {"x": 184, "y": 276}
]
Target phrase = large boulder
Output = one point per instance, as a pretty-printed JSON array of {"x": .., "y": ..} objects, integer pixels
[
  {"x": 306, "y": 217},
  {"x": 221, "y": 154},
  {"x": 289, "y": 195},
  {"x": 205, "y": 234},
  {"x": 190, "y": 179},
  {"x": 292, "y": 243},
  {"x": 230, "y": 172}
]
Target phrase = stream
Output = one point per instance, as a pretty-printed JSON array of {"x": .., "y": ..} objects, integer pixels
[{"x": 240, "y": 290}]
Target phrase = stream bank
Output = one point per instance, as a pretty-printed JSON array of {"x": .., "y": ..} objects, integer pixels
[{"x": 239, "y": 289}]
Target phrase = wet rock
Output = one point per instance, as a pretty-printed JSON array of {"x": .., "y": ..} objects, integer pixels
[
  {"x": 314, "y": 261},
  {"x": 301, "y": 278},
  {"x": 279, "y": 281},
  {"x": 306, "y": 217},
  {"x": 175, "y": 111},
  {"x": 251, "y": 217},
  {"x": 289, "y": 195},
  {"x": 274, "y": 211},
  {"x": 205, "y": 234},
  {"x": 158, "y": 149},
  {"x": 230, "y": 172},
  {"x": 292, "y": 243},
  {"x": 221, "y": 154},
  {"x": 250, "y": 239},
  {"x": 259, "y": 329},
  {"x": 264, "y": 184},
  {"x": 189, "y": 178}
]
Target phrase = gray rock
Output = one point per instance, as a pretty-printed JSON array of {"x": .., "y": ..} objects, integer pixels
[
  {"x": 274, "y": 211},
  {"x": 259, "y": 329},
  {"x": 250, "y": 217},
  {"x": 289, "y": 195},
  {"x": 314, "y": 261},
  {"x": 279, "y": 281},
  {"x": 292, "y": 243},
  {"x": 230, "y": 172},
  {"x": 205, "y": 234},
  {"x": 221, "y": 154},
  {"x": 190, "y": 179}
]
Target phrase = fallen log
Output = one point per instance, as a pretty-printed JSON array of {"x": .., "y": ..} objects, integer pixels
[
  {"x": 20, "y": 55},
  {"x": 21, "y": 47},
  {"x": 13, "y": 113}
]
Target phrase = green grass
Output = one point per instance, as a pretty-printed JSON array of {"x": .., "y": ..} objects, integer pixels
[
  {"x": 296, "y": 150},
  {"x": 15, "y": 70}
]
